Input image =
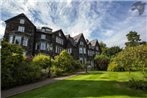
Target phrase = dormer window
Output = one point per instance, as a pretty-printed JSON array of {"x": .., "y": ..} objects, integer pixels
[
  {"x": 22, "y": 21},
  {"x": 43, "y": 30},
  {"x": 43, "y": 36}
]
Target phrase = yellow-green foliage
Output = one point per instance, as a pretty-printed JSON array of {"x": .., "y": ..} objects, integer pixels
[
  {"x": 64, "y": 63},
  {"x": 131, "y": 58},
  {"x": 42, "y": 60}
]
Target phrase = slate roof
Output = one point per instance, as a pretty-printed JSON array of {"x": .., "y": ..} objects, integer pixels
[
  {"x": 93, "y": 42},
  {"x": 20, "y": 15},
  {"x": 70, "y": 39},
  {"x": 77, "y": 37}
]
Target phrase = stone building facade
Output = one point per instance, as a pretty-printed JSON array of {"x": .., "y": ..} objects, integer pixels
[{"x": 20, "y": 30}]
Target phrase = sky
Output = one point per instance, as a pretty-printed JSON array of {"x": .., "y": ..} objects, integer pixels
[{"x": 107, "y": 21}]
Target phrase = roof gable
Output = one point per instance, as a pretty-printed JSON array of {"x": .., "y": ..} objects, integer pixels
[
  {"x": 20, "y": 15},
  {"x": 78, "y": 37},
  {"x": 59, "y": 31}
]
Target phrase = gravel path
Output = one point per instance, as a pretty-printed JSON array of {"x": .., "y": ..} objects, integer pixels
[{"x": 24, "y": 88}]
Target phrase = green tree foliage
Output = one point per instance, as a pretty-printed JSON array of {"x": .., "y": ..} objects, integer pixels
[
  {"x": 103, "y": 47},
  {"x": 131, "y": 58},
  {"x": 64, "y": 63},
  {"x": 112, "y": 51},
  {"x": 133, "y": 39},
  {"x": 15, "y": 70},
  {"x": 42, "y": 60},
  {"x": 101, "y": 61}
]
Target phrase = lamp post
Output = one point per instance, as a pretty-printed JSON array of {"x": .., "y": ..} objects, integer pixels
[{"x": 50, "y": 51}]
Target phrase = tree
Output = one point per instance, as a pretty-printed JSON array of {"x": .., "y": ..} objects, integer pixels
[
  {"x": 102, "y": 62},
  {"x": 133, "y": 39},
  {"x": 103, "y": 47},
  {"x": 112, "y": 51},
  {"x": 131, "y": 58}
]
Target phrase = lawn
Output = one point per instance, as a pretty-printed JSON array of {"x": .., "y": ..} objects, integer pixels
[{"x": 93, "y": 84}]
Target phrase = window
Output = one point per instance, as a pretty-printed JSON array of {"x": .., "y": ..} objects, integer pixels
[
  {"x": 43, "y": 46},
  {"x": 81, "y": 43},
  {"x": 22, "y": 21},
  {"x": 80, "y": 50},
  {"x": 96, "y": 48},
  {"x": 56, "y": 49},
  {"x": 37, "y": 46},
  {"x": 69, "y": 50},
  {"x": 81, "y": 60},
  {"x": 59, "y": 40},
  {"x": 43, "y": 36},
  {"x": 59, "y": 34},
  {"x": 84, "y": 50},
  {"x": 11, "y": 39},
  {"x": 17, "y": 40},
  {"x": 43, "y": 30},
  {"x": 25, "y": 41},
  {"x": 21, "y": 28}
]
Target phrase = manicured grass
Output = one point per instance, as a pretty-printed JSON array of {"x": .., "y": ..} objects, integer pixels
[{"x": 93, "y": 84}]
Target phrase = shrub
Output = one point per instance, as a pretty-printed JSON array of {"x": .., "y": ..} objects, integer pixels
[
  {"x": 15, "y": 69},
  {"x": 101, "y": 61},
  {"x": 42, "y": 60},
  {"x": 65, "y": 63},
  {"x": 130, "y": 59},
  {"x": 137, "y": 84},
  {"x": 56, "y": 71}
]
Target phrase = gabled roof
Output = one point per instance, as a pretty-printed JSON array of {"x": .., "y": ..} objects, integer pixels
[
  {"x": 20, "y": 15},
  {"x": 93, "y": 42},
  {"x": 77, "y": 37},
  {"x": 60, "y": 30},
  {"x": 70, "y": 39}
]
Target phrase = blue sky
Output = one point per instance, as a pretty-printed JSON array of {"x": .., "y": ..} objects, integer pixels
[{"x": 107, "y": 21}]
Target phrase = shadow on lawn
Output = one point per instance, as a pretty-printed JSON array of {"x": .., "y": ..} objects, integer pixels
[
  {"x": 88, "y": 88},
  {"x": 83, "y": 88}
]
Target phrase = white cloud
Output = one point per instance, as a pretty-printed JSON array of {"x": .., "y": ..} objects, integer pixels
[{"x": 86, "y": 21}]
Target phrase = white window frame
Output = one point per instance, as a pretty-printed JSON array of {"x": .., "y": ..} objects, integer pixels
[
  {"x": 22, "y": 21},
  {"x": 11, "y": 39},
  {"x": 18, "y": 38},
  {"x": 69, "y": 50},
  {"x": 80, "y": 50},
  {"x": 43, "y": 30},
  {"x": 81, "y": 60},
  {"x": 84, "y": 49},
  {"x": 56, "y": 49},
  {"x": 42, "y": 46},
  {"x": 59, "y": 34},
  {"x": 81, "y": 43},
  {"x": 25, "y": 41},
  {"x": 43, "y": 36},
  {"x": 59, "y": 40},
  {"x": 21, "y": 28}
]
